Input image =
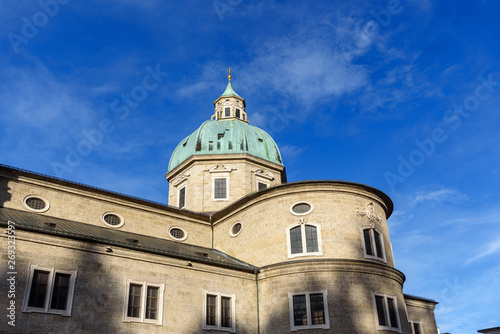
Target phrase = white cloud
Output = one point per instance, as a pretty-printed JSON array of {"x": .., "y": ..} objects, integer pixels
[
  {"x": 439, "y": 195},
  {"x": 489, "y": 249},
  {"x": 290, "y": 152}
]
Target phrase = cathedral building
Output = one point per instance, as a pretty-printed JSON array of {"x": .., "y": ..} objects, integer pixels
[{"x": 237, "y": 249}]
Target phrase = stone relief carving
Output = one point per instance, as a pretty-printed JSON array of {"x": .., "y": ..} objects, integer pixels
[{"x": 369, "y": 212}]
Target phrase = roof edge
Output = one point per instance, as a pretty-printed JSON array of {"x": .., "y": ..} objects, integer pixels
[
  {"x": 14, "y": 172},
  {"x": 245, "y": 199}
]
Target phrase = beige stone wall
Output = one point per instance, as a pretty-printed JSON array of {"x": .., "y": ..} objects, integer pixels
[
  {"x": 262, "y": 240},
  {"x": 349, "y": 286},
  {"x": 423, "y": 312},
  {"x": 88, "y": 206},
  {"x": 197, "y": 175},
  {"x": 98, "y": 303}
]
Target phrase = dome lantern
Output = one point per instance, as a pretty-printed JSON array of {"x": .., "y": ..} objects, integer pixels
[{"x": 230, "y": 105}]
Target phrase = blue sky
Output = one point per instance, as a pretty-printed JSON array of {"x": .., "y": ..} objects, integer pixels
[{"x": 402, "y": 96}]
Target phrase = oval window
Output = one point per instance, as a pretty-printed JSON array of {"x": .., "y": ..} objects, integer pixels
[
  {"x": 235, "y": 229},
  {"x": 113, "y": 219},
  {"x": 177, "y": 233},
  {"x": 301, "y": 208},
  {"x": 36, "y": 203}
]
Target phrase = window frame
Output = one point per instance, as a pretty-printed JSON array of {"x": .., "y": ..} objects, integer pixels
[
  {"x": 304, "y": 241},
  {"x": 412, "y": 323},
  {"x": 218, "y": 311},
  {"x": 184, "y": 237},
  {"x": 304, "y": 213},
  {"x": 27, "y": 197},
  {"x": 179, "y": 188},
  {"x": 213, "y": 188},
  {"x": 231, "y": 233},
  {"x": 308, "y": 294},
  {"x": 259, "y": 180},
  {"x": 226, "y": 109},
  {"x": 372, "y": 231},
  {"x": 122, "y": 220},
  {"x": 386, "y": 311},
  {"x": 142, "y": 311},
  {"x": 49, "y": 291}
]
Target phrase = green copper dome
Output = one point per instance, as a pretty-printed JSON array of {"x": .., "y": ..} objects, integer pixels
[
  {"x": 229, "y": 90},
  {"x": 226, "y": 137}
]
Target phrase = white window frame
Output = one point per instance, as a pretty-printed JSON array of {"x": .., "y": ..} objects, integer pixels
[
  {"x": 304, "y": 241},
  {"x": 231, "y": 229},
  {"x": 179, "y": 188},
  {"x": 259, "y": 180},
  {"x": 180, "y": 228},
  {"x": 372, "y": 241},
  {"x": 142, "y": 317},
  {"x": 218, "y": 311},
  {"x": 412, "y": 328},
  {"x": 386, "y": 311},
  {"x": 326, "y": 325},
  {"x": 47, "y": 204},
  {"x": 227, "y": 187},
  {"x": 304, "y": 213},
  {"x": 50, "y": 285},
  {"x": 122, "y": 220}
]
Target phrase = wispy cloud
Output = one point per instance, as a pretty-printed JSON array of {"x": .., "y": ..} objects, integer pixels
[
  {"x": 439, "y": 196},
  {"x": 489, "y": 249}
]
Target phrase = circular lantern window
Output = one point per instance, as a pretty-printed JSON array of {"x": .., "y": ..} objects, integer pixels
[
  {"x": 235, "y": 229},
  {"x": 112, "y": 219},
  {"x": 178, "y": 233},
  {"x": 36, "y": 203},
  {"x": 302, "y": 208}
]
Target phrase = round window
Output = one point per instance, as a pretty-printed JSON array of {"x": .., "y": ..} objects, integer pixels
[
  {"x": 177, "y": 233},
  {"x": 301, "y": 208},
  {"x": 113, "y": 219},
  {"x": 235, "y": 229},
  {"x": 36, "y": 203}
]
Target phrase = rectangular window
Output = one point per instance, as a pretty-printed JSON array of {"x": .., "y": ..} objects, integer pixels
[
  {"x": 134, "y": 301},
  {"x": 211, "y": 310},
  {"x": 219, "y": 312},
  {"x": 261, "y": 185},
  {"x": 311, "y": 239},
  {"x": 60, "y": 292},
  {"x": 386, "y": 312},
  {"x": 296, "y": 240},
  {"x": 218, "y": 145},
  {"x": 309, "y": 310},
  {"x": 182, "y": 197},
  {"x": 220, "y": 188},
  {"x": 210, "y": 145},
  {"x": 49, "y": 291},
  {"x": 373, "y": 244},
  {"x": 238, "y": 113},
  {"x": 226, "y": 312},
  {"x": 144, "y": 302},
  {"x": 227, "y": 111},
  {"x": 415, "y": 327}
]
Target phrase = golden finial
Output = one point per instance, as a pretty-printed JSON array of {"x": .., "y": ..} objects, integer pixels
[{"x": 229, "y": 75}]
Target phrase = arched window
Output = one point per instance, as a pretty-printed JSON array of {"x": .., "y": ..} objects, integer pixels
[{"x": 304, "y": 239}]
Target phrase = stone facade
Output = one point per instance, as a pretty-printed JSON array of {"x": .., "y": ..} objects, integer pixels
[{"x": 270, "y": 257}]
